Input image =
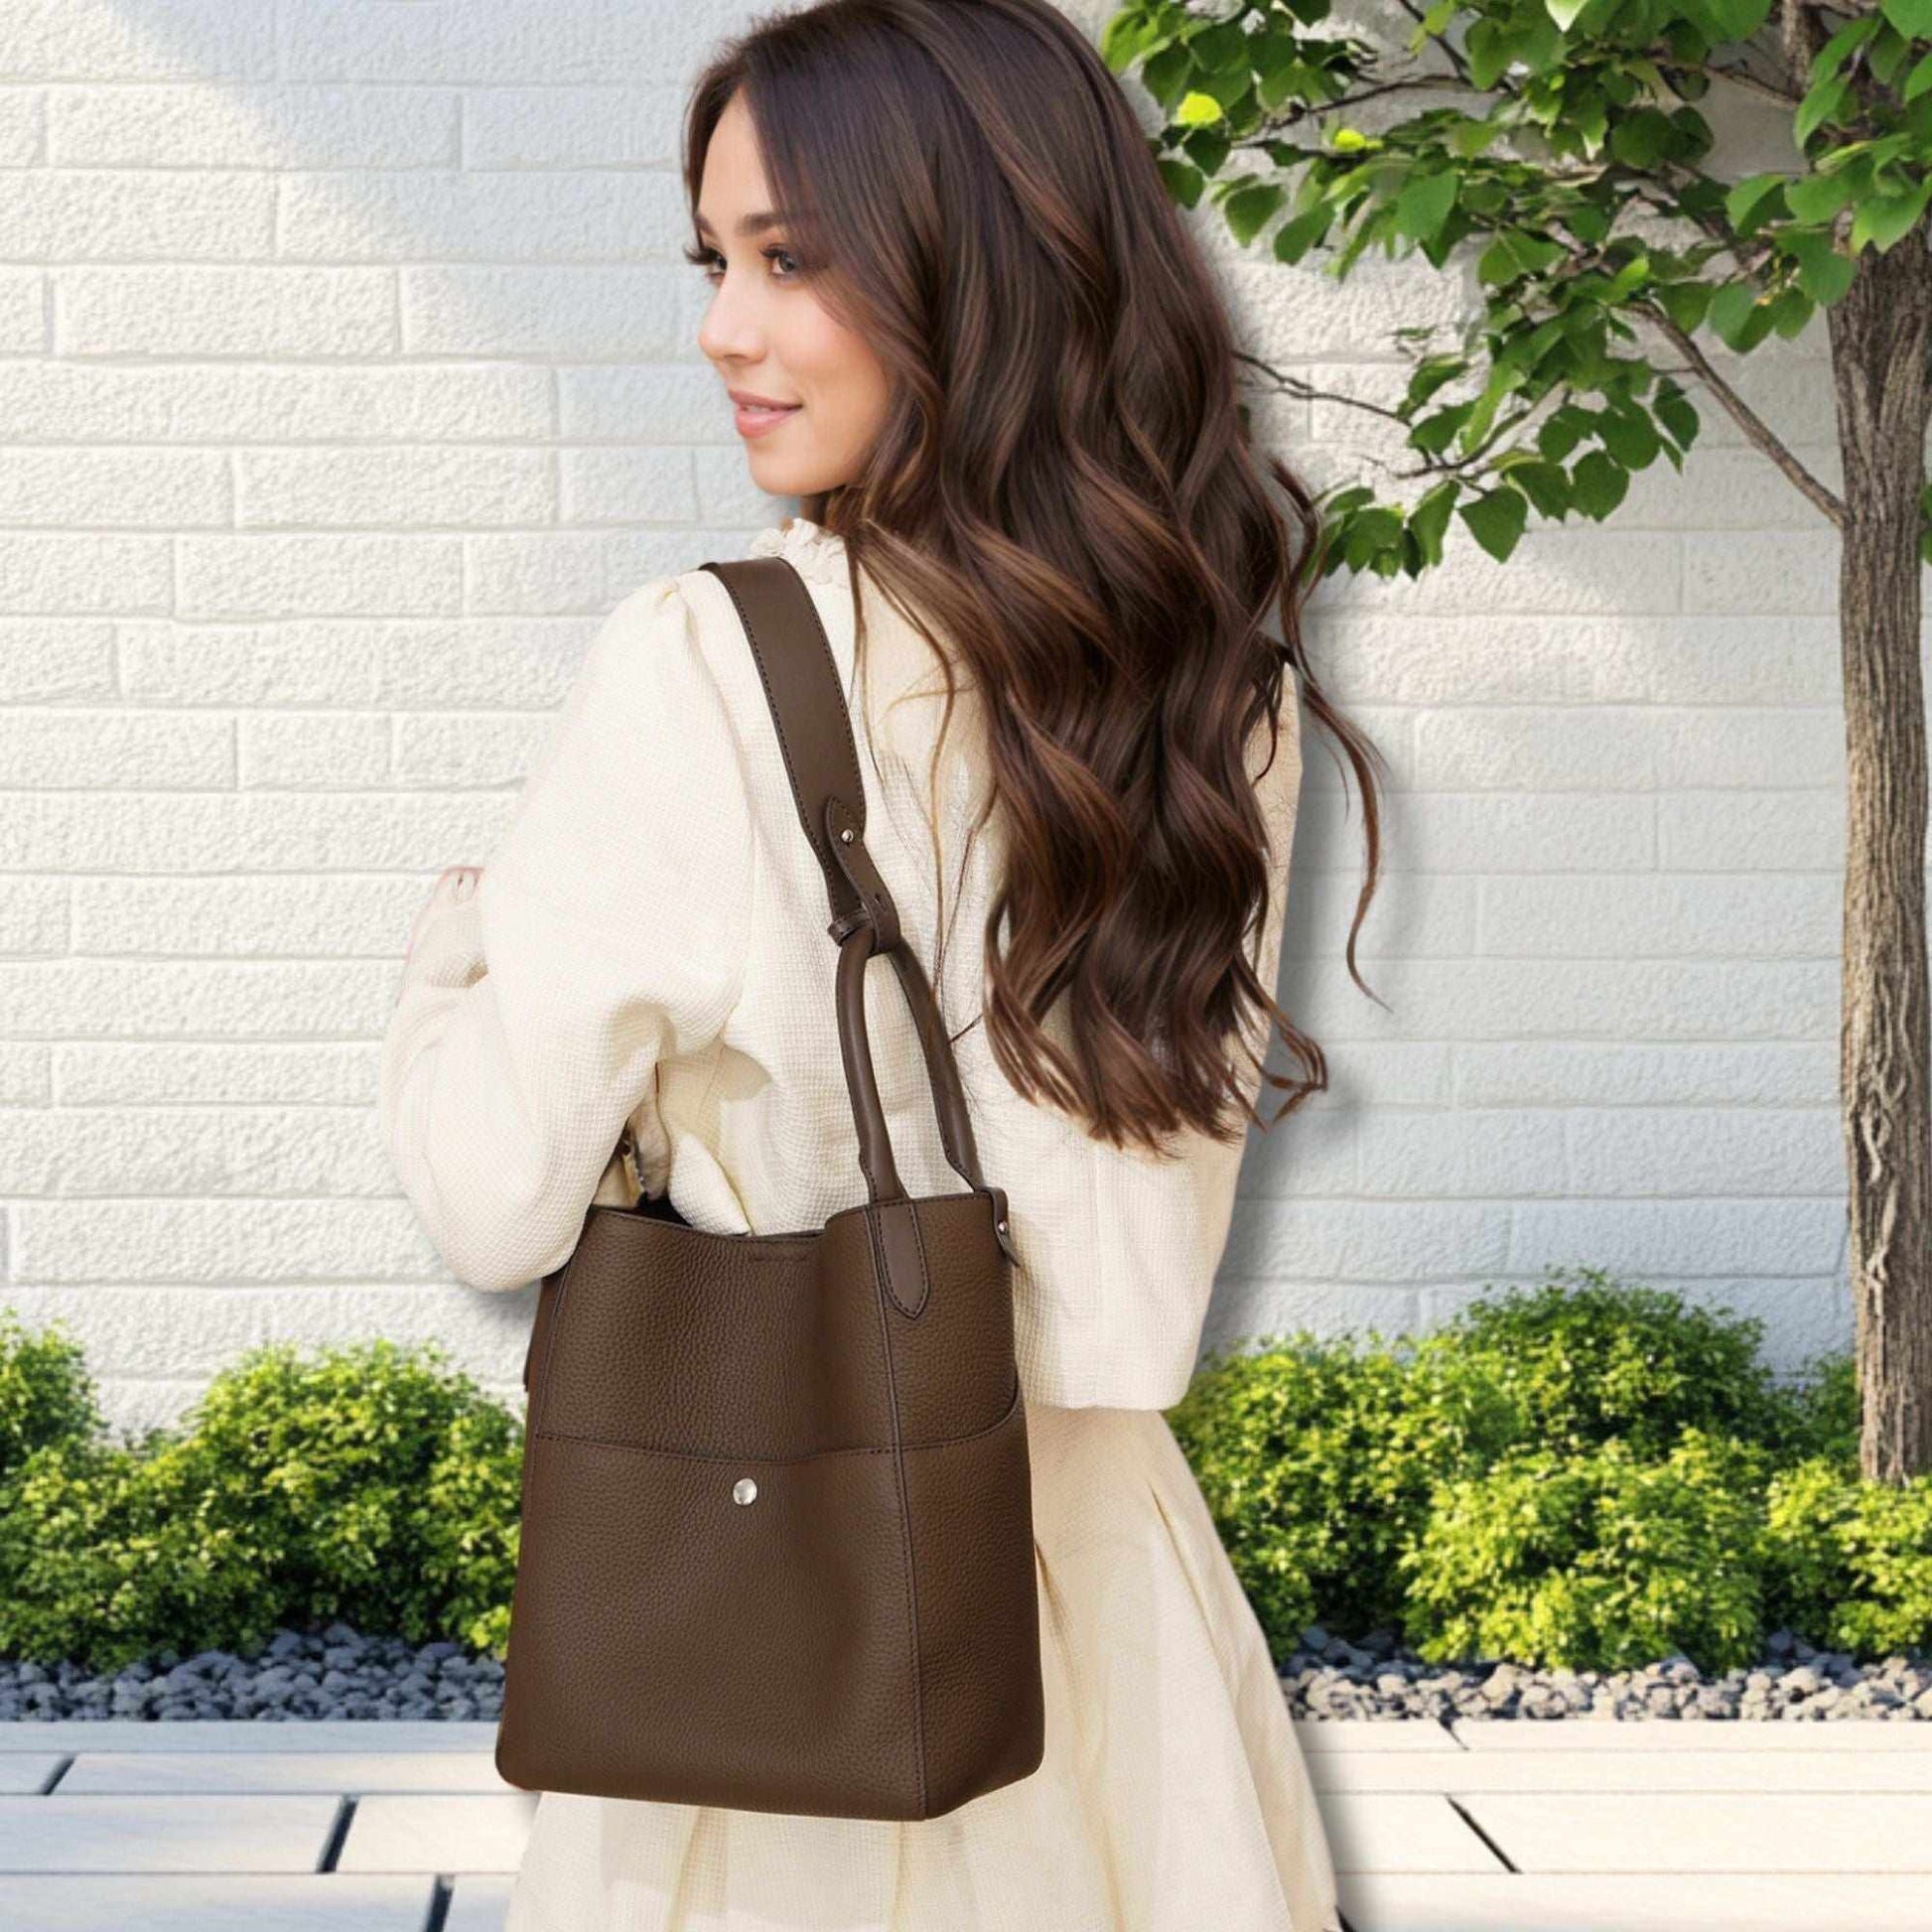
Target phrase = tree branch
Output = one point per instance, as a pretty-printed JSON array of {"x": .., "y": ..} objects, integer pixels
[
  {"x": 1751, "y": 82},
  {"x": 1757, "y": 431},
  {"x": 1453, "y": 54},
  {"x": 1303, "y": 391},
  {"x": 1301, "y": 111}
]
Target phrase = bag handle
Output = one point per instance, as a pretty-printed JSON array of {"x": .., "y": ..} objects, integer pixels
[{"x": 801, "y": 686}]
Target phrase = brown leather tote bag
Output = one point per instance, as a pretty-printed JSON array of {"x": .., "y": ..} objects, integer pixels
[{"x": 777, "y": 1538}]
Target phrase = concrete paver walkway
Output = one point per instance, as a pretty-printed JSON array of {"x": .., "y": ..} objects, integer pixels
[{"x": 1510, "y": 1826}]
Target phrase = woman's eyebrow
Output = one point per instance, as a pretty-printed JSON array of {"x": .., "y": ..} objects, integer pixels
[{"x": 748, "y": 225}]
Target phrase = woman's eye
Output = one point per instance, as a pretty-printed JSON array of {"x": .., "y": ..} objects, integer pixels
[{"x": 705, "y": 258}]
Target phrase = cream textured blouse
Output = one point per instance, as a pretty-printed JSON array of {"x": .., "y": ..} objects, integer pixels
[{"x": 648, "y": 943}]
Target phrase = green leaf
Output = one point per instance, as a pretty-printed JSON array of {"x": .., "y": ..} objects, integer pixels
[
  {"x": 1918, "y": 79},
  {"x": 1790, "y": 310},
  {"x": 1229, "y": 86},
  {"x": 1732, "y": 311},
  {"x": 1641, "y": 139},
  {"x": 1588, "y": 123},
  {"x": 1350, "y": 498},
  {"x": 1673, "y": 409},
  {"x": 1220, "y": 47},
  {"x": 1128, "y": 35},
  {"x": 1823, "y": 104},
  {"x": 1424, "y": 205},
  {"x": 1197, "y": 109},
  {"x": 1753, "y": 198},
  {"x": 1629, "y": 437},
  {"x": 1206, "y": 146},
  {"x": 1631, "y": 276},
  {"x": 1293, "y": 240},
  {"x": 1561, "y": 431},
  {"x": 1544, "y": 484},
  {"x": 1249, "y": 209},
  {"x": 1824, "y": 273},
  {"x": 1817, "y": 198},
  {"x": 1736, "y": 20},
  {"x": 1504, "y": 381},
  {"x": 1537, "y": 42},
  {"x": 1686, "y": 303},
  {"x": 1370, "y": 534},
  {"x": 1488, "y": 54},
  {"x": 1912, "y": 18},
  {"x": 1517, "y": 252},
  {"x": 1430, "y": 519},
  {"x": 1184, "y": 181},
  {"x": 1832, "y": 54},
  {"x": 1434, "y": 434},
  {"x": 1166, "y": 73},
  {"x": 1564, "y": 12},
  {"x": 1598, "y": 483},
  {"x": 1293, "y": 79},
  {"x": 1496, "y": 520},
  {"x": 1887, "y": 55},
  {"x": 1468, "y": 138},
  {"x": 1887, "y": 218},
  {"x": 1497, "y": 265},
  {"x": 1430, "y": 374}
]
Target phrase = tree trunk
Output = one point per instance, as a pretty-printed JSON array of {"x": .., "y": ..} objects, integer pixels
[{"x": 1881, "y": 332}]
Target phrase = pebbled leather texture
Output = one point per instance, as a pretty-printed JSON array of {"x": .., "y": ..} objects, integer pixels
[{"x": 860, "y": 1638}]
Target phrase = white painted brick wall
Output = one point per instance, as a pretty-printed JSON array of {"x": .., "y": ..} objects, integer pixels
[{"x": 347, "y": 377}]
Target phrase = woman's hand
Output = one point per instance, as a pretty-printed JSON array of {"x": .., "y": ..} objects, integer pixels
[{"x": 453, "y": 883}]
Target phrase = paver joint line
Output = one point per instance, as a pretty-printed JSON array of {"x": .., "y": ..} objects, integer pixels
[
  {"x": 331, "y": 1848},
  {"x": 1461, "y": 1811}
]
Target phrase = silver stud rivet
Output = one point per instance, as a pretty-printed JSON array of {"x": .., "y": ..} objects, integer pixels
[
  {"x": 1000, "y": 1225},
  {"x": 744, "y": 1490},
  {"x": 845, "y": 835}
]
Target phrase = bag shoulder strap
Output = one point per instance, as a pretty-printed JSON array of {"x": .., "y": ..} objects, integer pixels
[{"x": 801, "y": 684}]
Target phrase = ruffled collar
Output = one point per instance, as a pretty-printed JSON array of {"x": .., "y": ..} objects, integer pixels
[{"x": 812, "y": 550}]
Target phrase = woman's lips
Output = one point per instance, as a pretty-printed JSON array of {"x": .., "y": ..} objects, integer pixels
[{"x": 754, "y": 421}]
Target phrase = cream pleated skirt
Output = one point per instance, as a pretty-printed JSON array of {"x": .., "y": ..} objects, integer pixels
[{"x": 1172, "y": 1796}]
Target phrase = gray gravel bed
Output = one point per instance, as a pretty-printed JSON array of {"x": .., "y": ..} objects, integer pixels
[
  {"x": 332, "y": 1672},
  {"x": 1328, "y": 1676},
  {"x": 336, "y": 1672}
]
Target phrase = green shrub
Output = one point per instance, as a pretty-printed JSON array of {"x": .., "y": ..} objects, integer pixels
[
  {"x": 1570, "y": 1475},
  {"x": 1587, "y": 1476},
  {"x": 1586, "y": 1363},
  {"x": 108, "y": 1553},
  {"x": 347, "y": 1467},
  {"x": 362, "y": 1484},
  {"x": 1820, "y": 1416},
  {"x": 1850, "y": 1562},
  {"x": 46, "y": 1395},
  {"x": 1316, "y": 1459},
  {"x": 1599, "y": 1560}
]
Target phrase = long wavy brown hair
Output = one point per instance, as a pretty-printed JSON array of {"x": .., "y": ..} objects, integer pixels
[{"x": 1063, "y": 489}]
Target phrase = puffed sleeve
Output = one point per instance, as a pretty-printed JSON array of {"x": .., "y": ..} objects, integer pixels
[{"x": 608, "y": 932}]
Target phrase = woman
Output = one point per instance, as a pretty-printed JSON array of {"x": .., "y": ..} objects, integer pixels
[{"x": 963, "y": 325}]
